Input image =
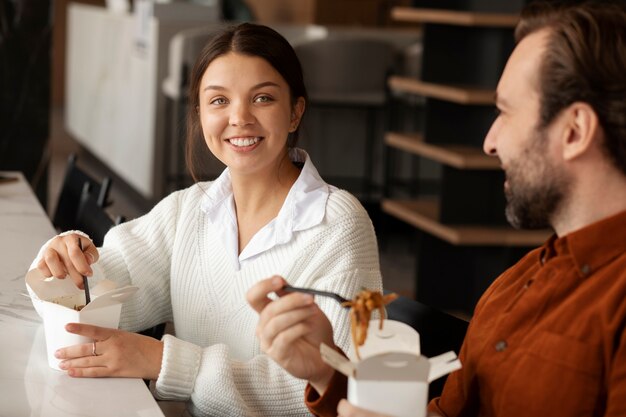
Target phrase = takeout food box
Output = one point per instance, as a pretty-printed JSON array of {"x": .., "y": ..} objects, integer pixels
[
  {"x": 392, "y": 376},
  {"x": 56, "y": 302}
]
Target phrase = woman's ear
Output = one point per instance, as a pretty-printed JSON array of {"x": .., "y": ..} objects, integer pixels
[
  {"x": 581, "y": 129},
  {"x": 296, "y": 114}
]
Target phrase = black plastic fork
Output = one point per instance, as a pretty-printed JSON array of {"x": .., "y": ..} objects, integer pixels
[{"x": 336, "y": 297}]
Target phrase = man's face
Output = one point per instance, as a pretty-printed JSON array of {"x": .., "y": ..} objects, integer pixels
[
  {"x": 535, "y": 186},
  {"x": 536, "y": 183}
]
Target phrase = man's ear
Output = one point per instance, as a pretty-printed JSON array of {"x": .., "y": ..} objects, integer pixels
[
  {"x": 580, "y": 130},
  {"x": 296, "y": 113}
]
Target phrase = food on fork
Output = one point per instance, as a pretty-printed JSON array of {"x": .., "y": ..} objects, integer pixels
[{"x": 361, "y": 308}]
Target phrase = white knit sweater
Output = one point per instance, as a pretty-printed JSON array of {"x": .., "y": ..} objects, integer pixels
[{"x": 184, "y": 274}]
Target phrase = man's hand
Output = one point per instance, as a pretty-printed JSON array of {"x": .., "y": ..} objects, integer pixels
[
  {"x": 345, "y": 409},
  {"x": 291, "y": 329}
]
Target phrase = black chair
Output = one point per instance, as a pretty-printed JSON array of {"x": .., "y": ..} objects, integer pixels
[
  {"x": 155, "y": 332},
  {"x": 69, "y": 198},
  {"x": 439, "y": 332},
  {"x": 92, "y": 218}
]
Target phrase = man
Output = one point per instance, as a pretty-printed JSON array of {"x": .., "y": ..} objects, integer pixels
[{"x": 548, "y": 337}]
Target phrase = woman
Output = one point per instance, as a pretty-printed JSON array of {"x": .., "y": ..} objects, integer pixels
[{"x": 196, "y": 253}]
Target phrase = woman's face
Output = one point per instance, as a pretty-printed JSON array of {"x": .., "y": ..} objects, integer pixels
[{"x": 246, "y": 113}]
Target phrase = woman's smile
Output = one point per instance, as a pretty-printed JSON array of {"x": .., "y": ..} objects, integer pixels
[{"x": 244, "y": 143}]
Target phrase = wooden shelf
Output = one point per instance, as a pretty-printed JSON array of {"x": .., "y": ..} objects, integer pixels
[
  {"x": 456, "y": 94},
  {"x": 424, "y": 215},
  {"x": 454, "y": 17},
  {"x": 457, "y": 156}
]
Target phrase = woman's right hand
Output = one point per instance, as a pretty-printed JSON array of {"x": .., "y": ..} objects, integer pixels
[
  {"x": 291, "y": 329},
  {"x": 63, "y": 257}
]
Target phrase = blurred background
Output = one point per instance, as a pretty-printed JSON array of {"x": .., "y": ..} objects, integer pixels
[{"x": 401, "y": 97}]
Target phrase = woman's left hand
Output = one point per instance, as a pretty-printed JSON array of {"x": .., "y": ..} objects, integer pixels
[{"x": 117, "y": 354}]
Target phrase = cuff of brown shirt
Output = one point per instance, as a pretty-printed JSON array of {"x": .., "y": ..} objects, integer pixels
[{"x": 326, "y": 405}]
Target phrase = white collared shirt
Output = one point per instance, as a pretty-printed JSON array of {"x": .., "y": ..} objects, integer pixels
[{"x": 304, "y": 207}]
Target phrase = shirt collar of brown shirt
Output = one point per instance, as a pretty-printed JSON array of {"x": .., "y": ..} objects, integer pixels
[{"x": 590, "y": 247}]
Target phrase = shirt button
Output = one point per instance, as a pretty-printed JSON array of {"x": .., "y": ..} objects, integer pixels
[
  {"x": 585, "y": 270},
  {"x": 501, "y": 346}
]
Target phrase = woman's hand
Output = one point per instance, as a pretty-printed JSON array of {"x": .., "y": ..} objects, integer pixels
[
  {"x": 63, "y": 256},
  {"x": 291, "y": 329},
  {"x": 118, "y": 354}
]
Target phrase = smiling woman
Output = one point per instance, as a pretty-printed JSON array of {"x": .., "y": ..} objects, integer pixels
[
  {"x": 247, "y": 116},
  {"x": 196, "y": 254},
  {"x": 271, "y": 60}
]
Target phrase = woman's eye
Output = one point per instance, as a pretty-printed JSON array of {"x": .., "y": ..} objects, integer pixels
[
  {"x": 263, "y": 99},
  {"x": 218, "y": 101}
]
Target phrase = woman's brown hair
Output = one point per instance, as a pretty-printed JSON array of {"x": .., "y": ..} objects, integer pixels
[{"x": 248, "y": 39}]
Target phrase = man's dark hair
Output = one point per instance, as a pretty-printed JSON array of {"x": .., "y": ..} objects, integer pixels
[{"x": 584, "y": 60}]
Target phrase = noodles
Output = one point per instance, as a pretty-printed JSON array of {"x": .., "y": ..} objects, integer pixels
[{"x": 361, "y": 309}]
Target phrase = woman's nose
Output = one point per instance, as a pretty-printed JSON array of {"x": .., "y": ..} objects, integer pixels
[{"x": 241, "y": 115}]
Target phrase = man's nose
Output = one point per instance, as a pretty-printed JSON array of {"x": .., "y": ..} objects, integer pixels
[{"x": 490, "y": 142}]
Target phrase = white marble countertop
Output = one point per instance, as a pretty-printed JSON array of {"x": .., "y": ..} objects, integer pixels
[{"x": 28, "y": 386}]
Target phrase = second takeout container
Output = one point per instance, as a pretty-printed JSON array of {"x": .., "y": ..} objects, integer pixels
[
  {"x": 392, "y": 376},
  {"x": 55, "y": 301}
]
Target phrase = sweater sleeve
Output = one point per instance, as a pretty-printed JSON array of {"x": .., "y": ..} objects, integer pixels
[
  {"x": 343, "y": 258},
  {"x": 139, "y": 253},
  {"x": 350, "y": 264}
]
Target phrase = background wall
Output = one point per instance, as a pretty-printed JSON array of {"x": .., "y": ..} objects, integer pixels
[
  {"x": 323, "y": 12},
  {"x": 58, "y": 46}
]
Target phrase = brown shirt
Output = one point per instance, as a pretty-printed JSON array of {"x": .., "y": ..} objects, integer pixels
[{"x": 548, "y": 337}]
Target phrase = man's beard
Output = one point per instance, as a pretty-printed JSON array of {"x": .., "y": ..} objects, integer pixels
[{"x": 536, "y": 188}]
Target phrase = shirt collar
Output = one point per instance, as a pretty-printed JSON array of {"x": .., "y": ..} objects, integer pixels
[
  {"x": 303, "y": 208},
  {"x": 592, "y": 246}
]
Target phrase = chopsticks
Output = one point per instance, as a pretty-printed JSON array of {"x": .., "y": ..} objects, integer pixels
[{"x": 85, "y": 284}]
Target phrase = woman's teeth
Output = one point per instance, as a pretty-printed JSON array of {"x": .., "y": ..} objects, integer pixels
[{"x": 244, "y": 142}]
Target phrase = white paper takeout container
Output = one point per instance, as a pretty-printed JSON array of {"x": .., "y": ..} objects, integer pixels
[
  {"x": 392, "y": 376},
  {"x": 55, "y": 299}
]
